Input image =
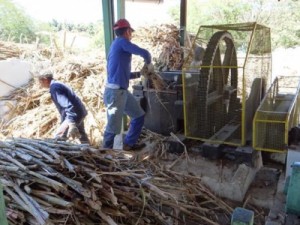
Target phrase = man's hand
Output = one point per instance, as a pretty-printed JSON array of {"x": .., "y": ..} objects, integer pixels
[{"x": 73, "y": 131}]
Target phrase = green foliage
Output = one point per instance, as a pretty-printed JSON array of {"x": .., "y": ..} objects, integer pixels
[
  {"x": 94, "y": 30},
  {"x": 84, "y": 28},
  {"x": 285, "y": 24},
  {"x": 15, "y": 25},
  {"x": 56, "y": 25},
  {"x": 98, "y": 37},
  {"x": 44, "y": 31},
  {"x": 282, "y": 17}
]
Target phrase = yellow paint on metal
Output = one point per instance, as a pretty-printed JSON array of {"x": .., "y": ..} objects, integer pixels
[
  {"x": 253, "y": 45},
  {"x": 277, "y": 115}
]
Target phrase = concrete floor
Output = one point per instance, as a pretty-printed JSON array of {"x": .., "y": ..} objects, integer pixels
[
  {"x": 260, "y": 185},
  {"x": 226, "y": 179}
]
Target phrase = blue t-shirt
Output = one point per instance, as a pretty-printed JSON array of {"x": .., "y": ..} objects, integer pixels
[
  {"x": 66, "y": 101},
  {"x": 119, "y": 61}
]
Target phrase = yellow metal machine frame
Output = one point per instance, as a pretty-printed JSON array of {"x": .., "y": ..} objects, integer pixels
[
  {"x": 277, "y": 115},
  {"x": 247, "y": 76}
]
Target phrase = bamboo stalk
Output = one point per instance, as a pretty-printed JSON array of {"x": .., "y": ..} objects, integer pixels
[
  {"x": 52, "y": 199},
  {"x": 45, "y": 180},
  {"x": 155, "y": 189},
  {"x": 73, "y": 184},
  {"x": 106, "y": 218},
  {"x": 17, "y": 199},
  {"x": 9, "y": 168},
  {"x": 26, "y": 146},
  {"x": 42, "y": 147},
  {"x": 9, "y": 158}
]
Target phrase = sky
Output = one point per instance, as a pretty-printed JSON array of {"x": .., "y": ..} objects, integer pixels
[
  {"x": 77, "y": 11},
  {"x": 86, "y": 11}
]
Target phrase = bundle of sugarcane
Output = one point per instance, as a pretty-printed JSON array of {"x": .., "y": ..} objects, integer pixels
[
  {"x": 54, "y": 182},
  {"x": 153, "y": 78},
  {"x": 171, "y": 56},
  {"x": 9, "y": 50},
  {"x": 163, "y": 43}
]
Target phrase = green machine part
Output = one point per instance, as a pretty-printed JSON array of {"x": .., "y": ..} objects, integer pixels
[
  {"x": 3, "y": 219},
  {"x": 241, "y": 216},
  {"x": 293, "y": 193},
  {"x": 108, "y": 12}
]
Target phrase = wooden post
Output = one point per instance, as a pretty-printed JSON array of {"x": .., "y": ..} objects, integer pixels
[{"x": 3, "y": 219}]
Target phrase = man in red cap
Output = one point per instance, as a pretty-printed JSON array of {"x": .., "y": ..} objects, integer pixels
[{"x": 117, "y": 98}]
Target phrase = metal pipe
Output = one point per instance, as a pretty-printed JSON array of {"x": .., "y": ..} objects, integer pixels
[
  {"x": 183, "y": 9},
  {"x": 108, "y": 22},
  {"x": 121, "y": 9}
]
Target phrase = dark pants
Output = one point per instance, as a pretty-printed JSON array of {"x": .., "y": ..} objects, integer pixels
[
  {"x": 83, "y": 136},
  {"x": 133, "y": 134}
]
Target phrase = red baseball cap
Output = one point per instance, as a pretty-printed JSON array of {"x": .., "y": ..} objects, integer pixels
[{"x": 122, "y": 23}]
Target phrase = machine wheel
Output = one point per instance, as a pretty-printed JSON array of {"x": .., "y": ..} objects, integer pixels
[{"x": 218, "y": 73}]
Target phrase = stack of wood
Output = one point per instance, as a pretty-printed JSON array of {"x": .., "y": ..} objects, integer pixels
[{"x": 53, "y": 182}]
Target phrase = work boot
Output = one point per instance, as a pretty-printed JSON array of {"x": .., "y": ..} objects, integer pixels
[{"x": 134, "y": 147}]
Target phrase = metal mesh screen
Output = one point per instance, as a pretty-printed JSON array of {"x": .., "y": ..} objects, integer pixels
[
  {"x": 277, "y": 114},
  {"x": 224, "y": 78}
]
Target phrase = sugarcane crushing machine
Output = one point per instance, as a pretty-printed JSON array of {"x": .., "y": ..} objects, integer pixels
[{"x": 224, "y": 93}]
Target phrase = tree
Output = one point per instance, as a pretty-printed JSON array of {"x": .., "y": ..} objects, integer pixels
[
  {"x": 15, "y": 25},
  {"x": 98, "y": 38},
  {"x": 281, "y": 16},
  {"x": 284, "y": 21}
]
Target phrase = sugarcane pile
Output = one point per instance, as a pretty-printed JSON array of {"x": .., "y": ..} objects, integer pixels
[
  {"x": 35, "y": 116},
  {"x": 9, "y": 50},
  {"x": 153, "y": 79},
  {"x": 163, "y": 43},
  {"x": 54, "y": 182}
]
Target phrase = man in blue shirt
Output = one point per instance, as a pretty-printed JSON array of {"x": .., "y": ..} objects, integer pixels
[
  {"x": 117, "y": 98},
  {"x": 69, "y": 106}
]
